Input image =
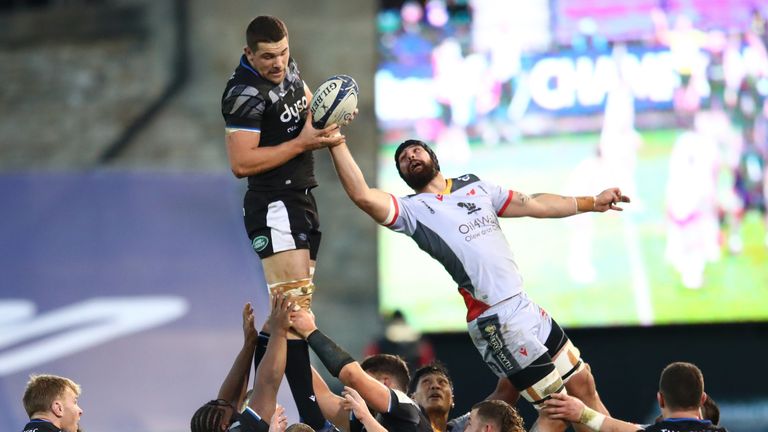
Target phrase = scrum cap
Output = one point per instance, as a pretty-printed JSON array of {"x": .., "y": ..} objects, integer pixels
[{"x": 411, "y": 142}]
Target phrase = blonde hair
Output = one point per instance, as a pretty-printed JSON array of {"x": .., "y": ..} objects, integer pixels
[
  {"x": 299, "y": 427},
  {"x": 43, "y": 389}
]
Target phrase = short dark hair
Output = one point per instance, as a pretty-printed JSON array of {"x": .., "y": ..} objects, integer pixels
[
  {"x": 503, "y": 414},
  {"x": 710, "y": 411},
  {"x": 682, "y": 385},
  {"x": 434, "y": 368},
  {"x": 389, "y": 364},
  {"x": 265, "y": 29},
  {"x": 208, "y": 417}
]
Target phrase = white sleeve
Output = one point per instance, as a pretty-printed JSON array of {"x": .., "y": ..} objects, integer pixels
[
  {"x": 500, "y": 197},
  {"x": 400, "y": 217}
]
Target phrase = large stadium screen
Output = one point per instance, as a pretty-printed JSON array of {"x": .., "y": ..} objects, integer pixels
[{"x": 664, "y": 99}]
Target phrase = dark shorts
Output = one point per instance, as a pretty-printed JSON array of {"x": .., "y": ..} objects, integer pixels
[{"x": 282, "y": 220}]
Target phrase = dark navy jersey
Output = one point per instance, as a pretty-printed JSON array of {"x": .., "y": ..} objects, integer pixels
[
  {"x": 248, "y": 421},
  {"x": 277, "y": 112},
  {"x": 36, "y": 425},
  {"x": 684, "y": 425},
  {"x": 404, "y": 415}
]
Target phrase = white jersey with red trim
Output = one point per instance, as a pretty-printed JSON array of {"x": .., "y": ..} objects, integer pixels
[{"x": 460, "y": 229}]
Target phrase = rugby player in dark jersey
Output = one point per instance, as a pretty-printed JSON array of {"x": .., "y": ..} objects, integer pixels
[
  {"x": 381, "y": 381},
  {"x": 51, "y": 403},
  {"x": 269, "y": 353},
  {"x": 681, "y": 397},
  {"x": 270, "y": 138}
]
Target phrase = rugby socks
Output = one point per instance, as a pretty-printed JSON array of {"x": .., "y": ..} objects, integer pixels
[
  {"x": 299, "y": 376},
  {"x": 261, "y": 349}
]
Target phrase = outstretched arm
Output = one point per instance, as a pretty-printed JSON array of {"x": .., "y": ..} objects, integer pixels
[
  {"x": 564, "y": 407},
  {"x": 339, "y": 363},
  {"x": 234, "y": 385},
  {"x": 375, "y": 202},
  {"x": 272, "y": 367},
  {"x": 546, "y": 205}
]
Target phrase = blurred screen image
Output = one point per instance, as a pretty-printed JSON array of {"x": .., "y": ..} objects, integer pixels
[{"x": 665, "y": 99}]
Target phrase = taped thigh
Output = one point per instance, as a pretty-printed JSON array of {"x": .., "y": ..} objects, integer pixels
[
  {"x": 299, "y": 290},
  {"x": 568, "y": 361}
]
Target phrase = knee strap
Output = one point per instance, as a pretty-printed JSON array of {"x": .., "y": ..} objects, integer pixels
[{"x": 540, "y": 390}]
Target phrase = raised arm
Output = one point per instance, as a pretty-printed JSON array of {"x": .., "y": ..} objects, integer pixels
[
  {"x": 356, "y": 404},
  {"x": 330, "y": 403},
  {"x": 234, "y": 385},
  {"x": 564, "y": 407},
  {"x": 339, "y": 363},
  {"x": 377, "y": 203},
  {"x": 270, "y": 372},
  {"x": 546, "y": 205}
]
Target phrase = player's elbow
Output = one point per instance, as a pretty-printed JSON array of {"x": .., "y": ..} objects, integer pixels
[
  {"x": 237, "y": 172},
  {"x": 350, "y": 375},
  {"x": 241, "y": 171}
]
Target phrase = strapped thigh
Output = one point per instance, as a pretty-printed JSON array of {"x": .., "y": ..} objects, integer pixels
[
  {"x": 565, "y": 355},
  {"x": 539, "y": 380},
  {"x": 300, "y": 290}
]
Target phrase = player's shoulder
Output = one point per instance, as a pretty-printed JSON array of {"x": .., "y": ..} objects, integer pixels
[
  {"x": 401, "y": 397},
  {"x": 248, "y": 421},
  {"x": 683, "y": 426},
  {"x": 245, "y": 81},
  {"x": 40, "y": 426},
  {"x": 458, "y": 424},
  {"x": 463, "y": 181}
]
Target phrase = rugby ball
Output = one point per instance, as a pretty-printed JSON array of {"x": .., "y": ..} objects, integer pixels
[{"x": 334, "y": 101}]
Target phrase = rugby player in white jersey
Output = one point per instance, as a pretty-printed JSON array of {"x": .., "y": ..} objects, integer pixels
[{"x": 517, "y": 339}]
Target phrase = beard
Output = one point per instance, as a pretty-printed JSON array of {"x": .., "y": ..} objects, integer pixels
[{"x": 420, "y": 179}]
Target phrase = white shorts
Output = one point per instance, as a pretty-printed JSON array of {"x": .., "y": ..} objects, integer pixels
[{"x": 511, "y": 334}]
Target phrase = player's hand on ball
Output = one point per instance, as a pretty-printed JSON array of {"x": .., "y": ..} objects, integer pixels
[
  {"x": 313, "y": 139},
  {"x": 349, "y": 119}
]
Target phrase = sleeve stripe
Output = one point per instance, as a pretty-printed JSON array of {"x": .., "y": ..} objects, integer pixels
[
  {"x": 231, "y": 129},
  {"x": 394, "y": 212},
  {"x": 253, "y": 413},
  {"x": 506, "y": 203}
]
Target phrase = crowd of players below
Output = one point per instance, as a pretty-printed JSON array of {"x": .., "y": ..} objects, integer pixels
[{"x": 379, "y": 394}]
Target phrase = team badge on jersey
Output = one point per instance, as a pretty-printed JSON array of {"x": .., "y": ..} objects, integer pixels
[{"x": 259, "y": 243}]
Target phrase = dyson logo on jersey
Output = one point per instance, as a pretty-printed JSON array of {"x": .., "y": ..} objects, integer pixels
[
  {"x": 479, "y": 227},
  {"x": 292, "y": 112}
]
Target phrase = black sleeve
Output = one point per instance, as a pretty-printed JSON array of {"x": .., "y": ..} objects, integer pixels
[
  {"x": 355, "y": 425},
  {"x": 251, "y": 422},
  {"x": 243, "y": 106},
  {"x": 402, "y": 407}
]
